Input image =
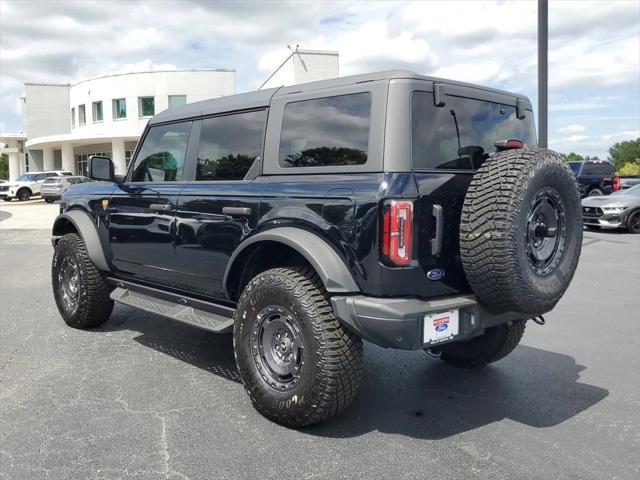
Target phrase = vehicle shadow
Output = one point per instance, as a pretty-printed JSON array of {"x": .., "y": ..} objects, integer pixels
[
  {"x": 406, "y": 393},
  {"x": 209, "y": 351}
]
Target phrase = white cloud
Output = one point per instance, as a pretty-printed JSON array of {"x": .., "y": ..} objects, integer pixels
[
  {"x": 626, "y": 135},
  {"x": 573, "y": 128}
]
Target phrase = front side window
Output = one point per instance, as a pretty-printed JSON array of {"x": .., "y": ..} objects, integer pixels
[
  {"x": 73, "y": 118},
  {"x": 177, "y": 100},
  {"x": 97, "y": 111},
  {"x": 82, "y": 117},
  {"x": 146, "y": 106},
  {"x": 323, "y": 132},
  {"x": 461, "y": 135},
  {"x": 119, "y": 108},
  {"x": 161, "y": 157},
  {"x": 229, "y": 145}
]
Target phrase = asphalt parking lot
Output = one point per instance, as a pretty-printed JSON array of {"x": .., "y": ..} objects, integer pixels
[{"x": 145, "y": 398}]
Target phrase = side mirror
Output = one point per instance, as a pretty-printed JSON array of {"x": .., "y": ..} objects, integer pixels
[{"x": 101, "y": 169}]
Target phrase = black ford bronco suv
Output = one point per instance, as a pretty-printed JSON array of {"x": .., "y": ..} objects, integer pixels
[{"x": 412, "y": 212}]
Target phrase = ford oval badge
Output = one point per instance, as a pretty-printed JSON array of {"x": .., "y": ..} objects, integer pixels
[{"x": 435, "y": 274}]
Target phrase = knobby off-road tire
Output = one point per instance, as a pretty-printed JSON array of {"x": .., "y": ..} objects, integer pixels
[
  {"x": 289, "y": 307},
  {"x": 80, "y": 289},
  {"x": 495, "y": 343},
  {"x": 521, "y": 231}
]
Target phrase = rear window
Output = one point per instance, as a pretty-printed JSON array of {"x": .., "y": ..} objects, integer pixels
[
  {"x": 324, "y": 132},
  {"x": 600, "y": 169},
  {"x": 461, "y": 134}
]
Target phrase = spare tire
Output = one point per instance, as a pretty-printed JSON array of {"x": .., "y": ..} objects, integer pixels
[{"x": 521, "y": 231}]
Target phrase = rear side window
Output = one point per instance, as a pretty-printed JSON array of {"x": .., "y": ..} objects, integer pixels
[
  {"x": 324, "y": 132},
  {"x": 461, "y": 134},
  {"x": 575, "y": 167},
  {"x": 229, "y": 145},
  {"x": 161, "y": 156},
  {"x": 601, "y": 169}
]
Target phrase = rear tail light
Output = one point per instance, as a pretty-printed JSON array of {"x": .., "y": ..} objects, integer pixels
[
  {"x": 616, "y": 183},
  {"x": 397, "y": 231},
  {"x": 509, "y": 144}
]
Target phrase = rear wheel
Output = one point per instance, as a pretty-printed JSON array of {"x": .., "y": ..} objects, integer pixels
[
  {"x": 495, "y": 343},
  {"x": 23, "y": 194},
  {"x": 7, "y": 199},
  {"x": 595, "y": 192},
  {"x": 48, "y": 200},
  {"x": 298, "y": 364},
  {"x": 79, "y": 288},
  {"x": 633, "y": 222}
]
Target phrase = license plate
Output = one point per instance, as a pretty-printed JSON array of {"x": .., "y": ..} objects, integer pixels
[{"x": 442, "y": 326}]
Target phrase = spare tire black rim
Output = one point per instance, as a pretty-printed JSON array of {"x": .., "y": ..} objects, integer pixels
[
  {"x": 277, "y": 347},
  {"x": 69, "y": 282},
  {"x": 546, "y": 231}
]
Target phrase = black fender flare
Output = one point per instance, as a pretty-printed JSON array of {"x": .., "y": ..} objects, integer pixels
[
  {"x": 331, "y": 269},
  {"x": 86, "y": 228}
]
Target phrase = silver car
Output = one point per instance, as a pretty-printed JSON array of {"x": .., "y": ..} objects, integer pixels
[
  {"x": 54, "y": 187},
  {"x": 621, "y": 209}
]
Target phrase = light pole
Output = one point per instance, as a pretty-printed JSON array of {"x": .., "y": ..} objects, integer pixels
[{"x": 543, "y": 34}]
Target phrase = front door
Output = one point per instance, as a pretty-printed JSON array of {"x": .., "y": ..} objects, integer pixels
[
  {"x": 142, "y": 209},
  {"x": 221, "y": 205}
]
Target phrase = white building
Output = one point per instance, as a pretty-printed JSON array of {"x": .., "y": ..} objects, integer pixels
[{"x": 66, "y": 124}]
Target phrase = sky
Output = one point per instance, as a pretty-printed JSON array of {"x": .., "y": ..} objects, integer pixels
[{"x": 594, "y": 49}]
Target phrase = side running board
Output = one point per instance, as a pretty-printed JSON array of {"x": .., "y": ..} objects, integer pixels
[{"x": 194, "y": 312}]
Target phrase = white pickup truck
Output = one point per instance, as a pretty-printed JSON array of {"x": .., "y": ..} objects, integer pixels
[{"x": 27, "y": 185}]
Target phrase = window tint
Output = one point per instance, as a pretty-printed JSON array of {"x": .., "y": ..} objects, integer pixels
[
  {"x": 229, "y": 145},
  {"x": 461, "y": 134},
  {"x": 119, "y": 108},
  {"x": 600, "y": 169},
  {"x": 161, "y": 156},
  {"x": 323, "y": 132},
  {"x": 146, "y": 107}
]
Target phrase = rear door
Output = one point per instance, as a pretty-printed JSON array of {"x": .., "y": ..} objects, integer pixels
[
  {"x": 220, "y": 203},
  {"x": 448, "y": 144},
  {"x": 142, "y": 209}
]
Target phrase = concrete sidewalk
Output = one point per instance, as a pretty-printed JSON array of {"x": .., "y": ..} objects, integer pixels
[{"x": 33, "y": 214}]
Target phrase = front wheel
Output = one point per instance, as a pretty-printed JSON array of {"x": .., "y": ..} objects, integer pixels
[
  {"x": 23, "y": 194},
  {"x": 495, "y": 343},
  {"x": 81, "y": 290},
  {"x": 298, "y": 364},
  {"x": 7, "y": 199},
  {"x": 633, "y": 222}
]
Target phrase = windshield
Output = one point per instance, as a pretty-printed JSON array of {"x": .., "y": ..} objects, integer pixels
[
  {"x": 26, "y": 177},
  {"x": 635, "y": 190}
]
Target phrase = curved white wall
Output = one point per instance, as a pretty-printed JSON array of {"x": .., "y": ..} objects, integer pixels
[{"x": 196, "y": 85}]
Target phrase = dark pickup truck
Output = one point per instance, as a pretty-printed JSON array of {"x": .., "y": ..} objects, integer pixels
[
  {"x": 412, "y": 212},
  {"x": 594, "y": 177}
]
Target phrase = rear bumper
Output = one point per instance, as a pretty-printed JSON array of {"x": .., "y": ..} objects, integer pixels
[{"x": 399, "y": 322}]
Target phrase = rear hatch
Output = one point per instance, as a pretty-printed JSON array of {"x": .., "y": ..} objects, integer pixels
[
  {"x": 52, "y": 183},
  {"x": 449, "y": 143}
]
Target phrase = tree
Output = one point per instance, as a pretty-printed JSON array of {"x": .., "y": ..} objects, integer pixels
[
  {"x": 629, "y": 168},
  {"x": 625, "y": 152},
  {"x": 4, "y": 166},
  {"x": 573, "y": 157}
]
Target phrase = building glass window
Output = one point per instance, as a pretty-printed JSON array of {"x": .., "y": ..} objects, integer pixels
[
  {"x": 82, "y": 161},
  {"x": 97, "y": 111},
  {"x": 119, "y": 108},
  {"x": 161, "y": 156},
  {"x": 146, "y": 106},
  {"x": 82, "y": 116},
  {"x": 229, "y": 145},
  {"x": 127, "y": 156},
  {"x": 331, "y": 131},
  {"x": 73, "y": 118},
  {"x": 177, "y": 100}
]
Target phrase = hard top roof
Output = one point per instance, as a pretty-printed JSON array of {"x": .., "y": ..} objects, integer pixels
[{"x": 262, "y": 98}]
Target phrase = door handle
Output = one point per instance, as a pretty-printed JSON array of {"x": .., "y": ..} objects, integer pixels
[
  {"x": 436, "y": 241},
  {"x": 238, "y": 211},
  {"x": 161, "y": 207}
]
